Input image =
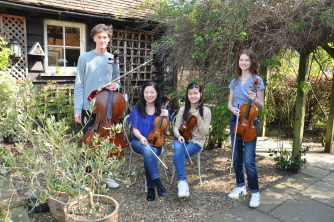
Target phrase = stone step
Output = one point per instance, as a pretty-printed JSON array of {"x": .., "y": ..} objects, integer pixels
[
  {"x": 8, "y": 195},
  {"x": 17, "y": 214}
]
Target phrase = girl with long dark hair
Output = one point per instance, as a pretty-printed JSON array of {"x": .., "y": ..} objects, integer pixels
[
  {"x": 195, "y": 144},
  {"x": 142, "y": 120}
]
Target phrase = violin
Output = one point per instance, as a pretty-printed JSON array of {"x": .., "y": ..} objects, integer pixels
[
  {"x": 157, "y": 136},
  {"x": 109, "y": 106},
  {"x": 185, "y": 128},
  {"x": 248, "y": 113}
]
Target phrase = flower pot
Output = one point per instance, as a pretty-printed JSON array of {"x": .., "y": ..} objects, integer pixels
[
  {"x": 57, "y": 204},
  {"x": 112, "y": 217},
  {"x": 41, "y": 208}
]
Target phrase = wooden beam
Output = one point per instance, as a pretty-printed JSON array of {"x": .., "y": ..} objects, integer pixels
[
  {"x": 330, "y": 123},
  {"x": 300, "y": 103},
  {"x": 262, "y": 126},
  {"x": 328, "y": 49}
]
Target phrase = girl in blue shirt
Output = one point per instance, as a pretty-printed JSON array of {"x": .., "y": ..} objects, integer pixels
[
  {"x": 244, "y": 152},
  {"x": 142, "y": 120}
]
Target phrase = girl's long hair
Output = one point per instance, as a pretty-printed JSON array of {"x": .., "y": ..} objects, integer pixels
[
  {"x": 141, "y": 106},
  {"x": 188, "y": 104},
  {"x": 254, "y": 68}
]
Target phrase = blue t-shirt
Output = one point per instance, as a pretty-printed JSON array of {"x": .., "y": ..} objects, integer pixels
[
  {"x": 241, "y": 91},
  {"x": 144, "y": 125}
]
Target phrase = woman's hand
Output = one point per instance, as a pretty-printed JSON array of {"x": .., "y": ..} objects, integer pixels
[
  {"x": 164, "y": 112},
  {"x": 143, "y": 140},
  {"x": 180, "y": 139},
  {"x": 252, "y": 96},
  {"x": 235, "y": 111},
  {"x": 195, "y": 113}
]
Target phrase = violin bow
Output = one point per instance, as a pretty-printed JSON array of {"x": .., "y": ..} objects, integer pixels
[
  {"x": 156, "y": 156},
  {"x": 131, "y": 71},
  {"x": 235, "y": 136},
  {"x": 188, "y": 154}
]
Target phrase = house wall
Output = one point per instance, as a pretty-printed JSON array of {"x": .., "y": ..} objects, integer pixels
[{"x": 35, "y": 65}]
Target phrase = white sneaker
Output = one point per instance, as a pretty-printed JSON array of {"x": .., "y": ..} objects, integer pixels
[
  {"x": 183, "y": 189},
  {"x": 239, "y": 191},
  {"x": 255, "y": 201},
  {"x": 111, "y": 183}
]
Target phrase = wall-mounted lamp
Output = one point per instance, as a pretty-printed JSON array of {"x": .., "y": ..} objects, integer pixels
[{"x": 15, "y": 48}]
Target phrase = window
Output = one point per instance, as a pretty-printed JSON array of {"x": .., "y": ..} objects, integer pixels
[{"x": 64, "y": 43}]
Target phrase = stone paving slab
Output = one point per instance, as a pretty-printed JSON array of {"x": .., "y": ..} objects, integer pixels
[
  {"x": 302, "y": 209},
  {"x": 265, "y": 143},
  {"x": 299, "y": 181},
  {"x": 286, "y": 189},
  {"x": 243, "y": 213},
  {"x": 9, "y": 197},
  {"x": 18, "y": 214},
  {"x": 329, "y": 178},
  {"x": 319, "y": 161},
  {"x": 271, "y": 198},
  {"x": 322, "y": 192},
  {"x": 326, "y": 155},
  {"x": 315, "y": 172}
]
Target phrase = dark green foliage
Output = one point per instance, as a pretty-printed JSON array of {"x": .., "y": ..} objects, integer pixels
[{"x": 285, "y": 161}]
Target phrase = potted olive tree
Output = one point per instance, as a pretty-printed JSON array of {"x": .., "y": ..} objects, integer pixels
[{"x": 51, "y": 159}]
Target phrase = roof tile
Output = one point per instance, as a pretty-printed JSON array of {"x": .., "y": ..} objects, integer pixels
[{"x": 127, "y": 9}]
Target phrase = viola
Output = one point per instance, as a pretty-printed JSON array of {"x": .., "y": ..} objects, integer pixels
[
  {"x": 157, "y": 136},
  {"x": 109, "y": 106},
  {"x": 246, "y": 130},
  {"x": 185, "y": 129}
]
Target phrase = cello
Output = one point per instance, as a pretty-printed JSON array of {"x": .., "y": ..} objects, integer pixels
[
  {"x": 246, "y": 130},
  {"x": 185, "y": 129},
  {"x": 108, "y": 107},
  {"x": 157, "y": 136}
]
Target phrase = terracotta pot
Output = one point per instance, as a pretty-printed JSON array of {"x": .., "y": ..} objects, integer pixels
[
  {"x": 57, "y": 204},
  {"x": 113, "y": 217}
]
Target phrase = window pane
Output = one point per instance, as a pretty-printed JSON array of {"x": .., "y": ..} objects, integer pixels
[
  {"x": 55, "y": 35},
  {"x": 55, "y": 56},
  {"x": 72, "y": 36},
  {"x": 72, "y": 56}
]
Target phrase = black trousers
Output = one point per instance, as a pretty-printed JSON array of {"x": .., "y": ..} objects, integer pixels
[{"x": 85, "y": 116}]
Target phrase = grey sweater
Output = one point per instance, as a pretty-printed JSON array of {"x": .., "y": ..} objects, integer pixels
[{"x": 93, "y": 72}]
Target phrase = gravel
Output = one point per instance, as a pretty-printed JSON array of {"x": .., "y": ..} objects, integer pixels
[{"x": 205, "y": 201}]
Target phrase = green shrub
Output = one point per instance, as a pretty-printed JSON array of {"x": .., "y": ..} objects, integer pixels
[{"x": 285, "y": 161}]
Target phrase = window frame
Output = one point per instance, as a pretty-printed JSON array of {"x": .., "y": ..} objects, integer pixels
[{"x": 65, "y": 70}]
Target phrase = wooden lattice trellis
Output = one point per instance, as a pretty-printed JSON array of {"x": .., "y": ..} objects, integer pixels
[
  {"x": 134, "y": 48},
  {"x": 15, "y": 26}
]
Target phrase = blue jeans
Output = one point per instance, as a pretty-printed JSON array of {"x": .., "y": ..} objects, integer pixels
[
  {"x": 150, "y": 161},
  {"x": 244, "y": 157},
  {"x": 180, "y": 157}
]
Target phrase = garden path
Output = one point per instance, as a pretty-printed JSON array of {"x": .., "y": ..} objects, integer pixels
[{"x": 306, "y": 196}]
